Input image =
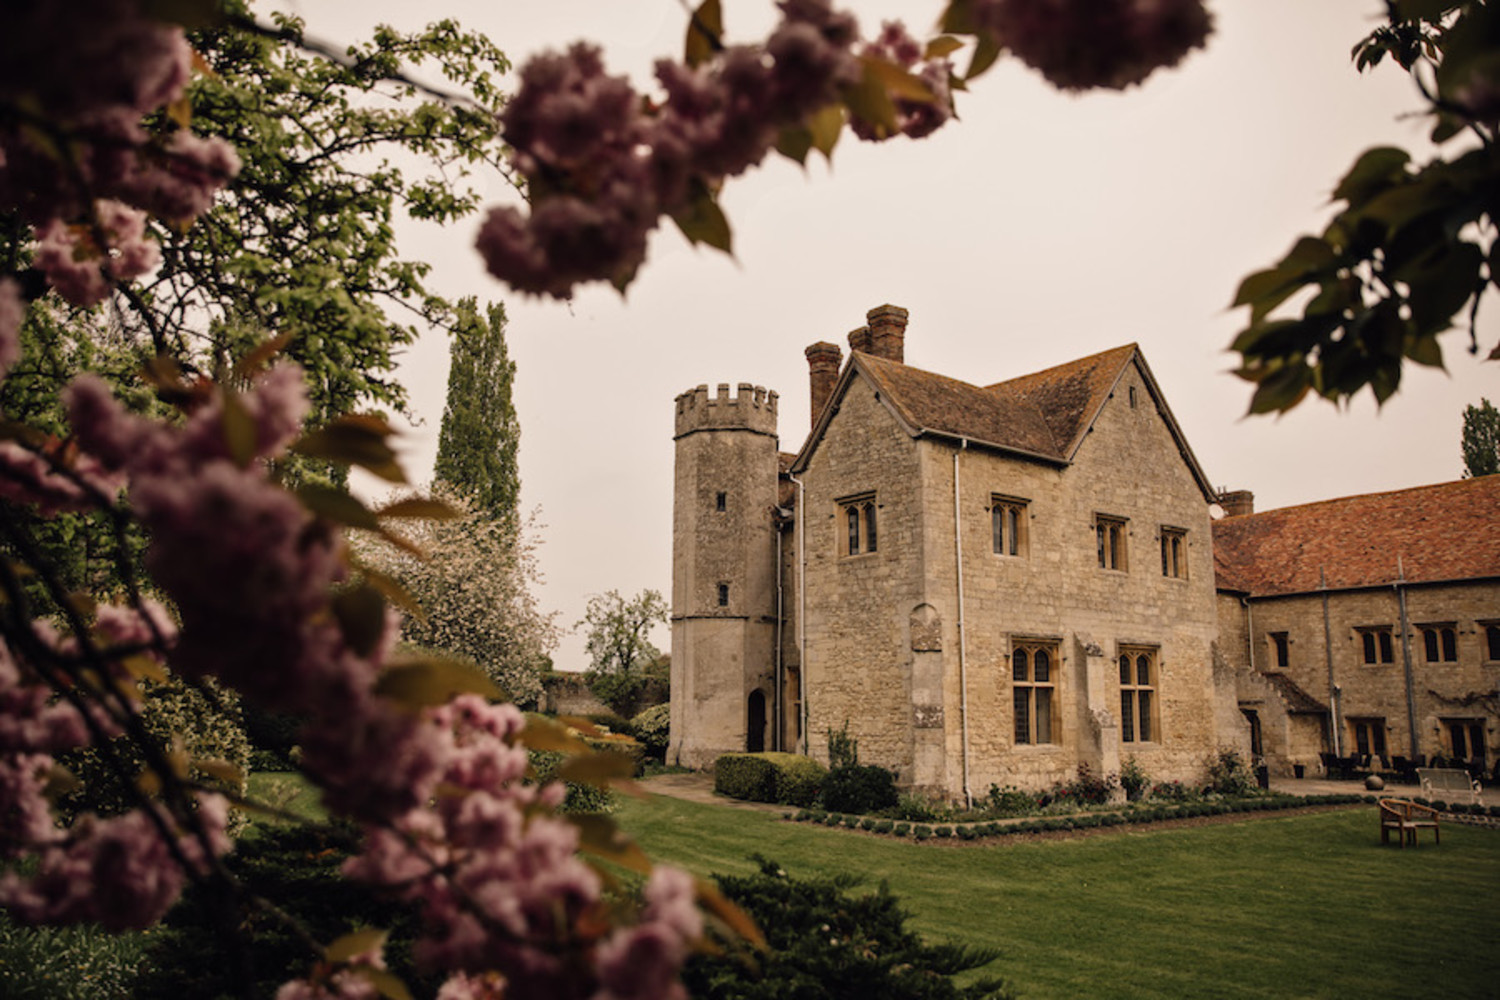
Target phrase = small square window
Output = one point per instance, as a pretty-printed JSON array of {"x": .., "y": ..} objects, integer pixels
[
  {"x": 1109, "y": 535},
  {"x": 1281, "y": 648},
  {"x": 1174, "y": 553},
  {"x": 1008, "y": 526}
]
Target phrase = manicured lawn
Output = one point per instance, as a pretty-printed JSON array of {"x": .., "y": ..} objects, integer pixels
[{"x": 1272, "y": 906}]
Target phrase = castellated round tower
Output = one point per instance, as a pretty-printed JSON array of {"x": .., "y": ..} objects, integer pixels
[{"x": 724, "y": 607}]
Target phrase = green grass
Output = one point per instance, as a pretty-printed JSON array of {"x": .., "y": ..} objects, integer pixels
[
  {"x": 67, "y": 963},
  {"x": 286, "y": 791},
  {"x": 1273, "y": 906}
]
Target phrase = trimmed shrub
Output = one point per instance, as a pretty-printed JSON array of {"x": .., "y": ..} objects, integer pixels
[
  {"x": 799, "y": 779},
  {"x": 884, "y": 826},
  {"x": 943, "y": 831},
  {"x": 767, "y": 777},
  {"x": 650, "y": 728},
  {"x": 825, "y": 942},
  {"x": 862, "y": 788},
  {"x": 922, "y": 831},
  {"x": 867, "y": 824},
  {"x": 902, "y": 829}
]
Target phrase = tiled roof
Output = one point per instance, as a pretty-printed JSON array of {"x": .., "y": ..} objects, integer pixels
[
  {"x": 1069, "y": 396},
  {"x": 1423, "y": 535},
  {"x": 929, "y": 402}
]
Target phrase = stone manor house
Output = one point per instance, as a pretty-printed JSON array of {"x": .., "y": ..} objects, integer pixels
[{"x": 998, "y": 583}]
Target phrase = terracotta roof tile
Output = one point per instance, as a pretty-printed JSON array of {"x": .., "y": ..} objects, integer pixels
[{"x": 1450, "y": 531}]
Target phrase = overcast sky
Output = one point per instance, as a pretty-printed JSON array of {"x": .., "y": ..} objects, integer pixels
[{"x": 1039, "y": 228}]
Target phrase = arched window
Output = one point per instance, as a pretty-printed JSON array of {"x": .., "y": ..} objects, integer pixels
[
  {"x": 1137, "y": 695},
  {"x": 1032, "y": 690}
]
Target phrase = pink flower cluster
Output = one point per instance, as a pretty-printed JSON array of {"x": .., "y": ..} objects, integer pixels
[
  {"x": 75, "y": 159},
  {"x": 120, "y": 872},
  {"x": 602, "y": 166},
  {"x": 914, "y": 118},
  {"x": 1082, "y": 44}
]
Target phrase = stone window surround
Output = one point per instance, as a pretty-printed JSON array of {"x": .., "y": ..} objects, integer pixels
[
  {"x": 1111, "y": 536},
  {"x": 1489, "y": 640},
  {"x": 1377, "y": 644},
  {"x": 1052, "y": 645},
  {"x": 1281, "y": 648},
  {"x": 1134, "y": 691},
  {"x": 1439, "y": 641},
  {"x": 1012, "y": 513},
  {"x": 1373, "y": 728},
  {"x": 1174, "y": 561},
  {"x": 858, "y": 512}
]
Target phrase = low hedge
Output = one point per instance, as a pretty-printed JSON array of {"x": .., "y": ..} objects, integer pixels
[{"x": 786, "y": 778}]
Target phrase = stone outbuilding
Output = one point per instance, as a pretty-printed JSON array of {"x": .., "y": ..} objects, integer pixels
[{"x": 1366, "y": 625}]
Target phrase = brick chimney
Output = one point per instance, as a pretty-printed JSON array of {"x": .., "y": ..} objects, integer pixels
[
  {"x": 1237, "y": 502},
  {"x": 859, "y": 340},
  {"x": 823, "y": 361},
  {"x": 888, "y": 332}
]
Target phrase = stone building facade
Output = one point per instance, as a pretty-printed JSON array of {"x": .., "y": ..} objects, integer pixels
[
  {"x": 1367, "y": 624},
  {"x": 986, "y": 584}
]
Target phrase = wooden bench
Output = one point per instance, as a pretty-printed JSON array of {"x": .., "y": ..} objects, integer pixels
[
  {"x": 1446, "y": 782},
  {"x": 1406, "y": 818}
]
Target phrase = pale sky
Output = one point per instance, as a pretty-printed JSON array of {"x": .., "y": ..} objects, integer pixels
[{"x": 1039, "y": 228}]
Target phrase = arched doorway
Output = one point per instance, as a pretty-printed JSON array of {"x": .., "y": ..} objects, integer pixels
[{"x": 755, "y": 722}]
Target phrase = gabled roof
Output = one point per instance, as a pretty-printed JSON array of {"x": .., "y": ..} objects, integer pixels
[
  {"x": 1070, "y": 396},
  {"x": 1043, "y": 416},
  {"x": 1429, "y": 534}
]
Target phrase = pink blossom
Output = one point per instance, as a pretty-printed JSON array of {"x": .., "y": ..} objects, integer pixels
[
  {"x": 53, "y": 478},
  {"x": 79, "y": 268},
  {"x": 1081, "y": 44},
  {"x": 12, "y": 312},
  {"x": 25, "y": 814},
  {"x": 178, "y": 182},
  {"x": 462, "y": 986}
]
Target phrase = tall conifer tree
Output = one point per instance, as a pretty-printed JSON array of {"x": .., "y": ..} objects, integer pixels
[
  {"x": 480, "y": 436},
  {"x": 1481, "y": 442}
]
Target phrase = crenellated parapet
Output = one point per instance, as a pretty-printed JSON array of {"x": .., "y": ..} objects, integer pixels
[{"x": 751, "y": 407}]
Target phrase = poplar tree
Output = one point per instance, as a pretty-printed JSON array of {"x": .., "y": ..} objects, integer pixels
[
  {"x": 480, "y": 436},
  {"x": 1481, "y": 442}
]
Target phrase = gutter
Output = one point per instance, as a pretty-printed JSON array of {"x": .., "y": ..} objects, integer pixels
[{"x": 801, "y": 610}]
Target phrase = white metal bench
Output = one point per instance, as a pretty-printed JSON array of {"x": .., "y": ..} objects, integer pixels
[{"x": 1447, "y": 782}]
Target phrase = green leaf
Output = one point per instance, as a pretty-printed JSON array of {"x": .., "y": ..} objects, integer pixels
[
  {"x": 596, "y": 768},
  {"x": 542, "y": 733},
  {"x": 338, "y": 506},
  {"x": 959, "y": 18},
  {"x": 702, "y": 221},
  {"x": 430, "y": 681},
  {"x": 704, "y": 33},
  {"x": 598, "y": 835},
  {"x": 794, "y": 142},
  {"x": 826, "y": 125},
  {"x": 1281, "y": 390},
  {"x": 942, "y": 46},
  {"x": 870, "y": 101},
  {"x": 360, "y": 612},
  {"x": 240, "y": 433},
  {"x": 355, "y": 440},
  {"x": 423, "y": 508},
  {"x": 1375, "y": 169},
  {"x": 352, "y": 945},
  {"x": 1426, "y": 351},
  {"x": 986, "y": 52}
]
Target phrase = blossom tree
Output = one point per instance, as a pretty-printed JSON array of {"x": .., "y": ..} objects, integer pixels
[{"x": 223, "y": 572}]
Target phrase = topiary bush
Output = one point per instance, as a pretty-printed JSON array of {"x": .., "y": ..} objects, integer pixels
[
  {"x": 799, "y": 780},
  {"x": 650, "y": 728},
  {"x": 862, "y": 788},
  {"x": 747, "y": 776}
]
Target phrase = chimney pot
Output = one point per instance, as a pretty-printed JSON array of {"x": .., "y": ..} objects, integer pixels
[
  {"x": 1237, "y": 502},
  {"x": 823, "y": 361},
  {"x": 888, "y": 332}
]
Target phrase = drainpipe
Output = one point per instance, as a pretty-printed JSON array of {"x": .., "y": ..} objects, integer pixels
[
  {"x": 1333, "y": 688},
  {"x": 1411, "y": 699},
  {"x": 963, "y": 677},
  {"x": 801, "y": 609},
  {"x": 777, "y": 733}
]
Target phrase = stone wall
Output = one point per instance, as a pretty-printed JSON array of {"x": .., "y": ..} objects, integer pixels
[{"x": 1466, "y": 689}]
